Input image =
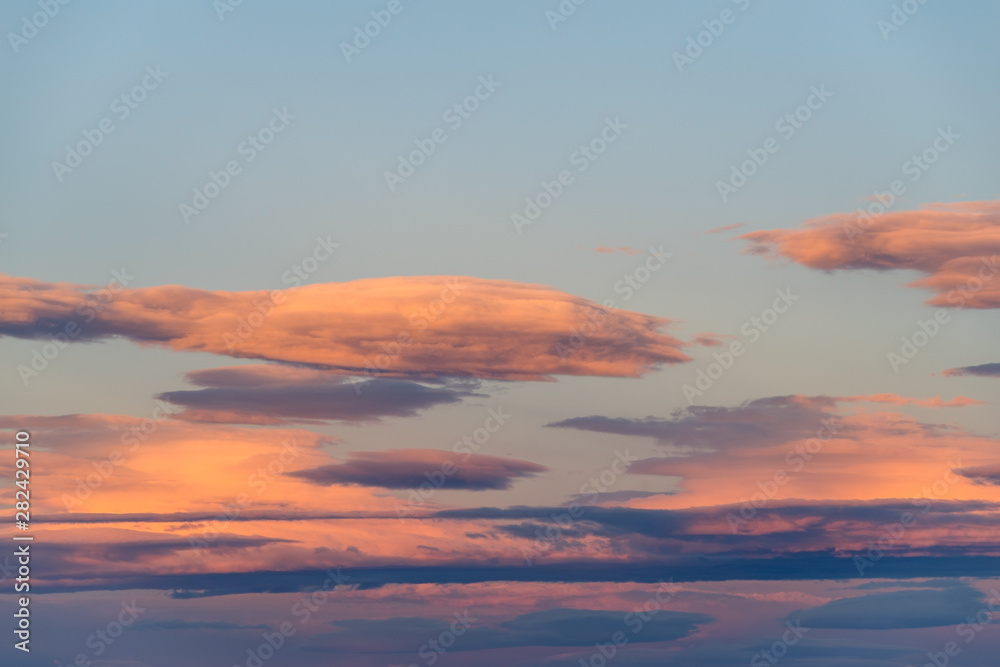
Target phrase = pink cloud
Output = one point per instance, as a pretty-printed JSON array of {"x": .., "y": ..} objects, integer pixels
[
  {"x": 954, "y": 245},
  {"x": 420, "y": 326}
]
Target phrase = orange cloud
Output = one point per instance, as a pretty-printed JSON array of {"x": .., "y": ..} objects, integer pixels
[
  {"x": 404, "y": 327},
  {"x": 103, "y": 463},
  {"x": 955, "y": 245},
  {"x": 803, "y": 447},
  {"x": 257, "y": 505}
]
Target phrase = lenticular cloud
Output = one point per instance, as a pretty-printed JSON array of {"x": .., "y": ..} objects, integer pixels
[{"x": 397, "y": 327}]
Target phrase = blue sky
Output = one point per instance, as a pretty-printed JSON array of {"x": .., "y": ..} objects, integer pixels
[{"x": 345, "y": 122}]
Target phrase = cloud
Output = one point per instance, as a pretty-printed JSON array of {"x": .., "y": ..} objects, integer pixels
[
  {"x": 281, "y": 395},
  {"x": 783, "y": 527},
  {"x": 89, "y": 551},
  {"x": 414, "y": 326},
  {"x": 724, "y": 228},
  {"x": 551, "y": 627},
  {"x": 802, "y": 567},
  {"x": 890, "y": 611},
  {"x": 954, "y": 245},
  {"x": 725, "y": 456},
  {"x": 805, "y": 447},
  {"x": 412, "y": 468},
  {"x": 711, "y": 340},
  {"x": 929, "y": 583},
  {"x": 988, "y": 474},
  {"x": 139, "y": 550},
  {"x": 199, "y": 517},
  {"x": 793, "y": 533},
  {"x": 615, "y": 497},
  {"x": 102, "y": 464},
  {"x": 718, "y": 652},
  {"x": 698, "y": 427},
  {"x": 893, "y": 399},
  {"x": 982, "y": 370},
  {"x": 579, "y": 627},
  {"x": 790, "y": 540},
  {"x": 179, "y": 624},
  {"x": 834, "y": 652}
]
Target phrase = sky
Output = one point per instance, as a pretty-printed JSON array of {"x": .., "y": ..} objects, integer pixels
[{"x": 548, "y": 333}]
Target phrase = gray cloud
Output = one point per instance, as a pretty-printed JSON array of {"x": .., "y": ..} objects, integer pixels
[
  {"x": 982, "y": 370},
  {"x": 412, "y": 468},
  {"x": 900, "y": 609},
  {"x": 283, "y": 395}
]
